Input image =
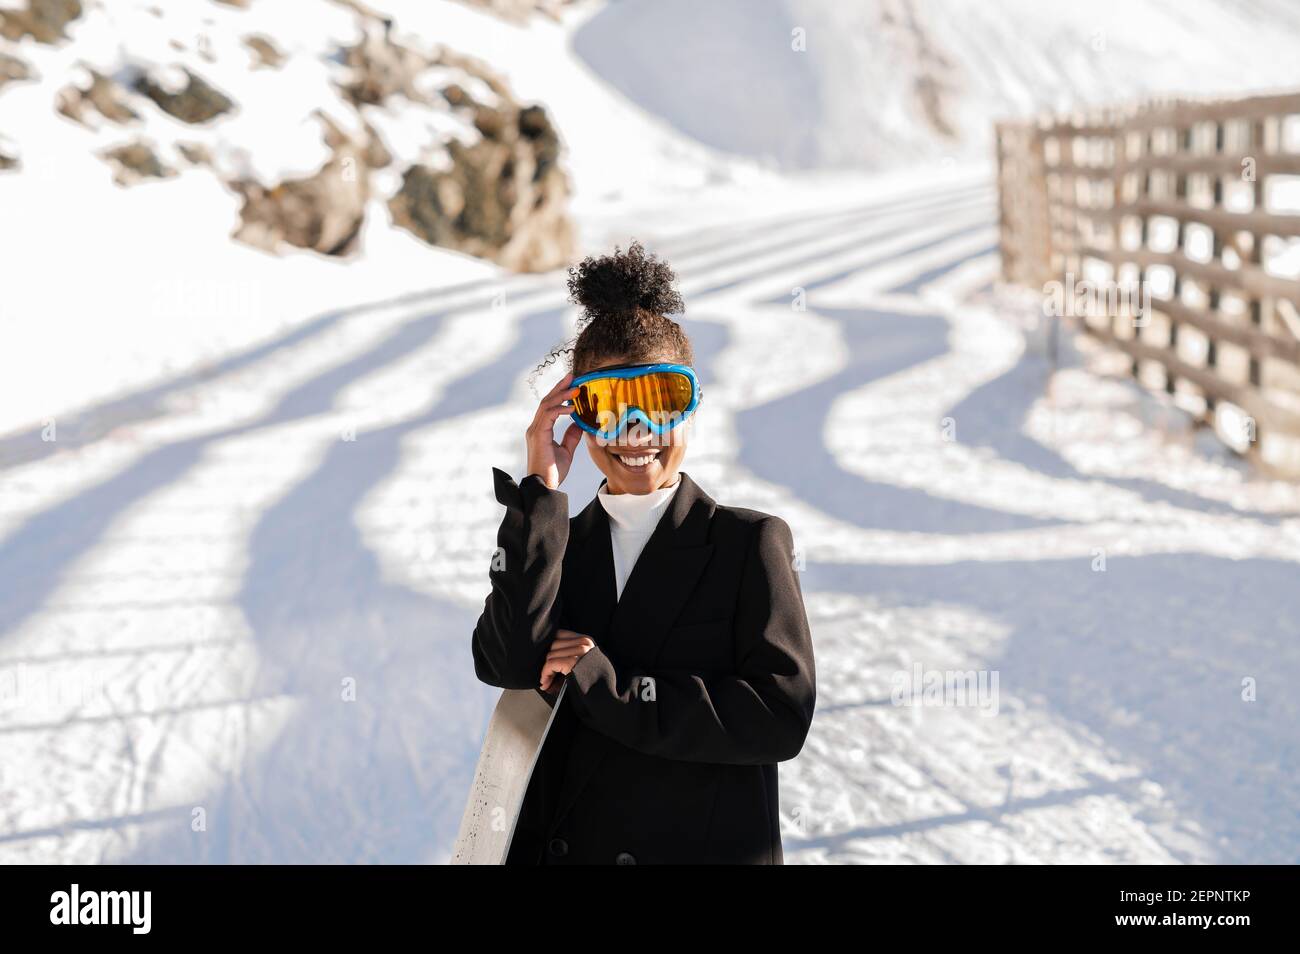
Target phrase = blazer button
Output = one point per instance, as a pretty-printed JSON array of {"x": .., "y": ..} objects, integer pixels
[
  {"x": 624, "y": 858},
  {"x": 558, "y": 847}
]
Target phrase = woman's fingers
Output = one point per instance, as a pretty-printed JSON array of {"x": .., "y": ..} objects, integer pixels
[
  {"x": 554, "y": 399},
  {"x": 555, "y": 411},
  {"x": 560, "y": 662},
  {"x": 550, "y": 673},
  {"x": 572, "y": 642},
  {"x": 560, "y": 385},
  {"x": 548, "y": 414},
  {"x": 563, "y": 636},
  {"x": 555, "y": 395},
  {"x": 566, "y": 649},
  {"x": 552, "y": 670},
  {"x": 562, "y": 399},
  {"x": 572, "y": 435},
  {"x": 561, "y": 655}
]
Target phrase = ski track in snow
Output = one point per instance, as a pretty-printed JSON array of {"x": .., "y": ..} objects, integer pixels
[{"x": 196, "y": 578}]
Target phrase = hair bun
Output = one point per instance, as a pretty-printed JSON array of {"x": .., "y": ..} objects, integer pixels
[{"x": 623, "y": 283}]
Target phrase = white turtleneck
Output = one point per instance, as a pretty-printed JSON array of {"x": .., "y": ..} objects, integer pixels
[{"x": 632, "y": 519}]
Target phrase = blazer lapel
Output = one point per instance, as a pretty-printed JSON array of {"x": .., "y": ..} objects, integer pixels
[
  {"x": 664, "y": 576},
  {"x": 589, "y": 586}
]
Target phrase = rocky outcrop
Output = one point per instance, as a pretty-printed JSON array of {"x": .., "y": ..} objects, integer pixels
[
  {"x": 379, "y": 67},
  {"x": 135, "y": 162},
  {"x": 197, "y": 102},
  {"x": 323, "y": 212},
  {"x": 195, "y": 153},
  {"x": 267, "y": 53},
  {"x": 43, "y": 20},
  {"x": 518, "y": 11},
  {"x": 102, "y": 96},
  {"x": 14, "y": 70},
  {"x": 503, "y": 197},
  {"x": 497, "y": 194},
  {"x": 478, "y": 172}
]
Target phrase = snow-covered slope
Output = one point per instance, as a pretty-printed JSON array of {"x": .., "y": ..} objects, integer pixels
[
  {"x": 184, "y": 595},
  {"x": 876, "y": 83}
]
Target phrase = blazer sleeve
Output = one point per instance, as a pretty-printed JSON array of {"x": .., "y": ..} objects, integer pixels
[
  {"x": 521, "y": 611},
  {"x": 759, "y": 715}
]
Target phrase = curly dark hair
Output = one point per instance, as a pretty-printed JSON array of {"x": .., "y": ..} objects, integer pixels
[{"x": 626, "y": 299}]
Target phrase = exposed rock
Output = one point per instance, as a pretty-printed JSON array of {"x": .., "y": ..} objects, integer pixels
[
  {"x": 198, "y": 102},
  {"x": 323, "y": 212},
  {"x": 476, "y": 69},
  {"x": 372, "y": 148},
  {"x": 380, "y": 67},
  {"x": 8, "y": 156},
  {"x": 14, "y": 70},
  {"x": 535, "y": 126},
  {"x": 518, "y": 11},
  {"x": 377, "y": 154},
  {"x": 136, "y": 161},
  {"x": 103, "y": 95},
  {"x": 268, "y": 54},
  {"x": 493, "y": 188},
  {"x": 195, "y": 153},
  {"x": 455, "y": 95},
  {"x": 43, "y": 20},
  {"x": 503, "y": 197}
]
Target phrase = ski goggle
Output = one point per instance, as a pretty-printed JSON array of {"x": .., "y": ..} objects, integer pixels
[{"x": 610, "y": 400}]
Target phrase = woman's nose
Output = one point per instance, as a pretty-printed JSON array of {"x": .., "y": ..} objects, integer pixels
[{"x": 638, "y": 434}]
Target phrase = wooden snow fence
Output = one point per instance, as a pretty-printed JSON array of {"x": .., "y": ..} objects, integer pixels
[{"x": 1170, "y": 231}]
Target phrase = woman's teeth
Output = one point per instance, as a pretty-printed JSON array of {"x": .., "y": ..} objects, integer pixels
[{"x": 643, "y": 461}]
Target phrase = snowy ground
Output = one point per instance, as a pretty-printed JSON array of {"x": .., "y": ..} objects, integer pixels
[{"x": 192, "y": 575}]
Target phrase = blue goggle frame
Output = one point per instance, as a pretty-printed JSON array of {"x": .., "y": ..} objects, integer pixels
[{"x": 633, "y": 414}]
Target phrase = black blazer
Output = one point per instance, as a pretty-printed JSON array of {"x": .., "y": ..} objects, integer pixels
[{"x": 665, "y": 746}]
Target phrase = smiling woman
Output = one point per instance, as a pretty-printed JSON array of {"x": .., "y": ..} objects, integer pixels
[{"x": 675, "y": 625}]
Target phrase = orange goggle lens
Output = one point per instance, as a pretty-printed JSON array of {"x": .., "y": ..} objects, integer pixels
[{"x": 664, "y": 397}]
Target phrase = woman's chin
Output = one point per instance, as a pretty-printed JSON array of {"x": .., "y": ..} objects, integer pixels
[{"x": 628, "y": 479}]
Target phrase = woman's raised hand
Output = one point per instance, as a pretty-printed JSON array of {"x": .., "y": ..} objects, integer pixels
[{"x": 547, "y": 459}]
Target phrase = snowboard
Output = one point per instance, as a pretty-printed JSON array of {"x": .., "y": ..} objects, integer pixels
[{"x": 511, "y": 745}]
